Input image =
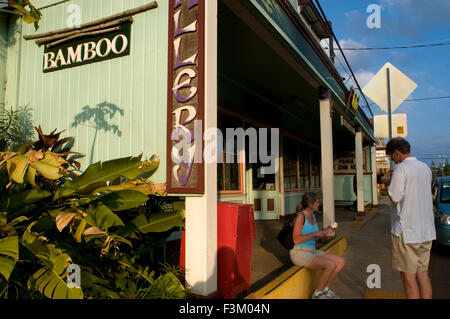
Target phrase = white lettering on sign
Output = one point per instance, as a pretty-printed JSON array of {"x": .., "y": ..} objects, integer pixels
[
  {"x": 124, "y": 45},
  {"x": 86, "y": 52},
  {"x": 99, "y": 47},
  {"x": 74, "y": 56}
]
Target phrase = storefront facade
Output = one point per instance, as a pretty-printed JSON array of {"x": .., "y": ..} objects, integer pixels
[{"x": 253, "y": 64}]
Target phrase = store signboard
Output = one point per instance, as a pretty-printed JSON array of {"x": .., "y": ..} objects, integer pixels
[
  {"x": 345, "y": 162},
  {"x": 89, "y": 49},
  {"x": 185, "y": 110},
  {"x": 382, "y": 159},
  {"x": 353, "y": 100}
]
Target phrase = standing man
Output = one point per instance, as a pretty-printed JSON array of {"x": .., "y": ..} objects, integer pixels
[{"x": 412, "y": 222}]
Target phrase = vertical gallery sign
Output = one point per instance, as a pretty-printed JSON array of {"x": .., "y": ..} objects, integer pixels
[{"x": 185, "y": 109}]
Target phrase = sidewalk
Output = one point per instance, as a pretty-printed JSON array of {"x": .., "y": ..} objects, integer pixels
[{"x": 368, "y": 243}]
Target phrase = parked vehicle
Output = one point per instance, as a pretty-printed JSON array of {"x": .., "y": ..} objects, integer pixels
[{"x": 441, "y": 207}]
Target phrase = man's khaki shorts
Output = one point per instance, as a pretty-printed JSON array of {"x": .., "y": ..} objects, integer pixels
[{"x": 410, "y": 258}]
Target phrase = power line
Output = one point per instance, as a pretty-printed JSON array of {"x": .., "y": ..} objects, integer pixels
[
  {"x": 424, "y": 99},
  {"x": 395, "y": 48},
  {"x": 429, "y": 99}
]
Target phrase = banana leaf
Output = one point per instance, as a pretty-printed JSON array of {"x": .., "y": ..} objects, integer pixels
[
  {"x": 9, "y": 254},
  {"x": 50, "y": 279},
  {"x": 17, "y": 167},
  {"x": 102, "y": 217},
  {"x": 122, "y": 200},
  {"x": 129, "y": 167},
  {"x": 17, "y": 201},
  {"x": 157, "y": 223},
  {"x": 49, "y": 166}
]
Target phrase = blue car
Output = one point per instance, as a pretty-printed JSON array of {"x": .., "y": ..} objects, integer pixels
[{"x": 441, "y": 200}]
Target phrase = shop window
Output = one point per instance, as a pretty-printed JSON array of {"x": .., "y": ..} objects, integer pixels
[
  {"x": 262, "y": 182},
  {"x": 315, "y": 168},
  {"x": 290, "y": 168},
  {"x": 301, "y": 166},
  {"x": 229, "y": 175},
  {"x": 305, "y": 160}
]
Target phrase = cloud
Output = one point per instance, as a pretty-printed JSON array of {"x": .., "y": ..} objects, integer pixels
[
  {"x": 403, "y": 18},
  {"x": 358, "y": 60},
  {"x": 363, "y": 77}
]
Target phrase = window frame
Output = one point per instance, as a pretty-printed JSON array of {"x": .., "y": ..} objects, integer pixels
[
  {"x": 309, "y": 148},
  {"x": 241, "y": 166}
]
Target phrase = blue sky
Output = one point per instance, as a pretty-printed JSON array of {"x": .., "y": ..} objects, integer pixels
[{"x": 403, "y": 22}]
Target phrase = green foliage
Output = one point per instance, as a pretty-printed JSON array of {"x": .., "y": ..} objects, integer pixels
[
  {"x": 16, "y": 127},
  {"x": 53, "y": 217},
  {"x": 28, "y": 12}
]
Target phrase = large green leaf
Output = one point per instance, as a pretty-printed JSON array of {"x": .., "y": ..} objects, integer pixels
[
  {"x": 123, "y": 200},
  {"x": 49, "y": 166},
  {"x": 157, "y": 223},
  {"x": 102, "y": 217},
  {"x": 129, "y": 167},
  {"x": 17, "y": 167},
  {"x": 25, "y": 198},
  {"x": 9, "y": 254},
  {"x": 50, "y": 279},
  {"x": 147, "y": 188}
]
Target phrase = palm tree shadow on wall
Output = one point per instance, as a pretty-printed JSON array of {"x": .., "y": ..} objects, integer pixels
[{"x": 98, "y": 118}]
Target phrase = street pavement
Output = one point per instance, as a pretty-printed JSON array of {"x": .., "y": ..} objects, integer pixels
[{"x": 368, "y": 243}]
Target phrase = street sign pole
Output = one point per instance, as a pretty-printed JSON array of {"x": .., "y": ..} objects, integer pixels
[
  {"x": 389, "y": 102},
  {"x": 389, "y": 108}
]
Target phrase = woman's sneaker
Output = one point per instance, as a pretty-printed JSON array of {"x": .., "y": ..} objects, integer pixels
[
  {"x": 320, "y": 295},
  {"x": 330, "y": 294}
]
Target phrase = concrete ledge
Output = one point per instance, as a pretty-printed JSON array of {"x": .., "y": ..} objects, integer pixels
[{"x": 298, "y": 282}]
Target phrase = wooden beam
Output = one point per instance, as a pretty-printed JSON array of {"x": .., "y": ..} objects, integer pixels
[
  {"x": 131, "y": 12},
  {"x": 94, "y": 28}
]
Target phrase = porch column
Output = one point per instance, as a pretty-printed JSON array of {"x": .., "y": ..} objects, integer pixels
[
  {"x": 373, "y": 152},
  {"x": 326, "y": 135},
  {"x": 359, "y": 171},
  {"x": 201, "y": 212}
]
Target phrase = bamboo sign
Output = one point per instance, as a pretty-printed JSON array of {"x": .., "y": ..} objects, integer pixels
[
  {"x": 185, "y": 110},
  {"x": 102, "y": 39},
  {"x": 95, "y": 46}
]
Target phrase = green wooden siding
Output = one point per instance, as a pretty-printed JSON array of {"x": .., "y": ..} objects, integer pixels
[
  {"x": 132, "y": 88},
  {"x": 3, "y": 46},
  {"x": 343, "y": 189}
]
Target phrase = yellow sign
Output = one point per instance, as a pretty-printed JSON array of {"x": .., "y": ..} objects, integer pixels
[{"x": 353, "y": 100}]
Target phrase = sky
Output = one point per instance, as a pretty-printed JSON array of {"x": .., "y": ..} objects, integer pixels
[{"x": 403, "y": 23}]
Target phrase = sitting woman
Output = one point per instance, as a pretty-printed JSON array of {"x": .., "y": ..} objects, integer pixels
[{"x": 304, "y": 252}]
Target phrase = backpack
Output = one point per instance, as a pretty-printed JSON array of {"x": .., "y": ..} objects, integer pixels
[{"x": 285, "y": 234}]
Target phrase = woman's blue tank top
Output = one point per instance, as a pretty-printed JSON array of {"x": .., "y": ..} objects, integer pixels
[{"x": 308, "y": 229}]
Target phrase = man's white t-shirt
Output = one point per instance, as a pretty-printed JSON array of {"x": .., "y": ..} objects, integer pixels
[{"x": 411, "y": 188}]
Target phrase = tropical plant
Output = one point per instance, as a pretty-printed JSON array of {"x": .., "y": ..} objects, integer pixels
[
  {"x": 25, "y": 9},
  {"x": 53, "y": 217},
  {"x": 16, "y": 127}
]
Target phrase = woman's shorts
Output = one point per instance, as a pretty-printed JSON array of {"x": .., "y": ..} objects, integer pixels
[{"x": 303, "y": 256}]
